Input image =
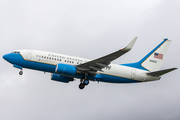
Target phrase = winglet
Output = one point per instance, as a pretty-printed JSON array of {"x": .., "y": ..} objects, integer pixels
[{"x": 131, "y": 44}]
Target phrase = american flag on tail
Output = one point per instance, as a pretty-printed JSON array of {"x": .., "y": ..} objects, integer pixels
[{"x": 158, "y": 56}]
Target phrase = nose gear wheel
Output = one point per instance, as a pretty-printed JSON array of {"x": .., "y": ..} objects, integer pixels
[{"x": 20, "y": 72}]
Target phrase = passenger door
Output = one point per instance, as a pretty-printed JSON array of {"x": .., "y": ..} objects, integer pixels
[
  {"x": 133, "y": 74},
  {"x": 29, "y": 55}
]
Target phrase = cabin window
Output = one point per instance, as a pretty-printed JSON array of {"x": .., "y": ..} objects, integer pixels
[
  {"x": 16, "y": 52},
  {"x": 45, "y": 57},
  {"x": 42, "y": 56},
  {"x": 52, "y": 58}
]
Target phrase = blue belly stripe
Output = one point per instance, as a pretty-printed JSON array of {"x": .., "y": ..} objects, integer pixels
[{"x": 51, "y": 68}]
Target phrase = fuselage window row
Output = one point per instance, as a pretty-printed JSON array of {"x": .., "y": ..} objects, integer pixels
[
  {"x": 56, "y": 59},
  {"x": 48, "y": 58},
  {"x": 78, "y": 60}
]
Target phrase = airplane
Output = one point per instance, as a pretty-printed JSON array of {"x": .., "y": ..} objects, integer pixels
[{"x": 64, "y": 68}]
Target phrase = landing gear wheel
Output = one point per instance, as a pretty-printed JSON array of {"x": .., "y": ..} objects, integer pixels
[
  {"x": 81, "y": 86},
  {"x": 86, "y": 82},
  {"x": 21, "y": 72}
]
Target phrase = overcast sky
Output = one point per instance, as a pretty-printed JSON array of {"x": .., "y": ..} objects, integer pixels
[{"x": 88, "y": 29}]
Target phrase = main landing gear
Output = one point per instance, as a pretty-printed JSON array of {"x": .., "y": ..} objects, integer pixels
[{"x": 84, "y": 82}]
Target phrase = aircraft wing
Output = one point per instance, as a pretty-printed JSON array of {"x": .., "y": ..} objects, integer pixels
[{"x": 100, "y": 63}]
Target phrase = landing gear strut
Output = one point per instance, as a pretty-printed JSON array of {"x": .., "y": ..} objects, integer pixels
[
  {"x": 20, "y": 72},
  {"x": 83, "y": 83}
]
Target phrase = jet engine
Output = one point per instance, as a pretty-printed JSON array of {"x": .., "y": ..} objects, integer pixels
[
  {"x": 66, "y": 69},
  {"x": 61, "y": 78}
]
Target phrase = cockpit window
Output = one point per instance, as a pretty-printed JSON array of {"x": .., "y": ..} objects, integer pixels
[{"x": 16, "y": 52}]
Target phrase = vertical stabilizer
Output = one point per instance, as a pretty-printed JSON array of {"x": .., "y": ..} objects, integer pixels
[{"x": 153, "y": 61}]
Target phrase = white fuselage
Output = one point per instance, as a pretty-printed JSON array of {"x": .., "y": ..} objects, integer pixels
[{"x": 112, "y": 70}]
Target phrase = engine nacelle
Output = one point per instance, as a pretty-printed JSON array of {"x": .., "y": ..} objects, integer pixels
[
  {"x": 65, "y": 69},
  {"x": 61, "y": 78}
]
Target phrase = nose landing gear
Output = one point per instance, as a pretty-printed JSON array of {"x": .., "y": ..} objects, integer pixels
[{"x": 20, "y": 72}]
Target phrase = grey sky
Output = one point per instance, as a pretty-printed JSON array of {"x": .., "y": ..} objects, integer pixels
[{"x": 88, "y": 29}]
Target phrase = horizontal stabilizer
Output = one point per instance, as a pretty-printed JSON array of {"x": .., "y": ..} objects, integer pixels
[{"x": 161, "y": 72}]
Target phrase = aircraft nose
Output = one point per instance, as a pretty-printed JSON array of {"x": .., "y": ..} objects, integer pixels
[{"x": 6, "y": 57}]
